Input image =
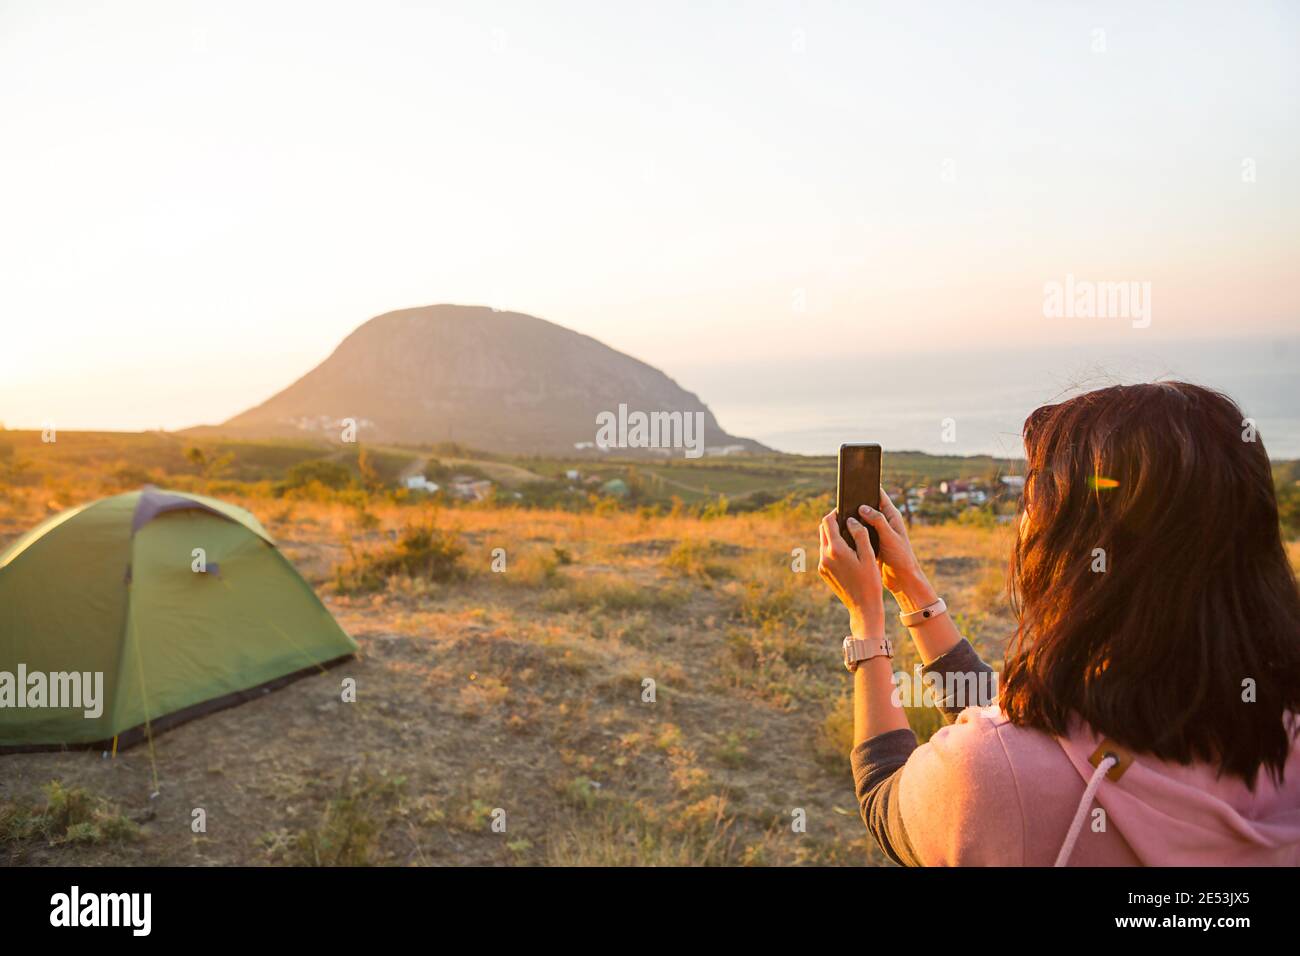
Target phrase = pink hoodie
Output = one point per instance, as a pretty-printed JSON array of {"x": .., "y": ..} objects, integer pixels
[{"x": 985, "y": 792}]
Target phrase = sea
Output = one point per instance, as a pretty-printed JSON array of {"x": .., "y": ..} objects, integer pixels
[{"x": 976, "y": 401}]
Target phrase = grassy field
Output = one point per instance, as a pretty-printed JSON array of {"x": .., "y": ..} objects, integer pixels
[
  {"x": 485, "y": 697},
  {"x": 109, "y": 460}
]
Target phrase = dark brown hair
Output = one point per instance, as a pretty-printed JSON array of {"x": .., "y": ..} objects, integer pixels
[{"x": 1196, "y": 598}]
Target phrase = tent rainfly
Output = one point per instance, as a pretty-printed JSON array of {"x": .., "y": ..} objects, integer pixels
[{"x": 134, "y": 613}]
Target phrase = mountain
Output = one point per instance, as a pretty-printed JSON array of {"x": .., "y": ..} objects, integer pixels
[{"x": 498, "y": 381}]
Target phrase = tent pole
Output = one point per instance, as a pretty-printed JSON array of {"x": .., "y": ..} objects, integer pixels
[{"x": 115, "y": 746}]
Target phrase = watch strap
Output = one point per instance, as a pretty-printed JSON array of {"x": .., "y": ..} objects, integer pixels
[{"x": 856, "y": 650}]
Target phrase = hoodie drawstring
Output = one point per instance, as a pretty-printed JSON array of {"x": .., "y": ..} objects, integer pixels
[{"x": 1081, "y": 814}]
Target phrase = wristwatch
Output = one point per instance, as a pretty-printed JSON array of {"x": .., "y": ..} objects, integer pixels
[{"x": 857, "y": 651}]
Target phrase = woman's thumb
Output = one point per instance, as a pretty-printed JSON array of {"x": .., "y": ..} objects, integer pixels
[
  {"x": 873, "y": 517},
  {"x": 860, "y": 536}
]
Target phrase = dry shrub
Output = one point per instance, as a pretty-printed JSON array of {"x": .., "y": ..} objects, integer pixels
[
  {"x": 423, "y": 551},
  {"x": 70, "y": 815},
  {"x": 351, "y": 823},
  {"x": 700, "y": 560}
]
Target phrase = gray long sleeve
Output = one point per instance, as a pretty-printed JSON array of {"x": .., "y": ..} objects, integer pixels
[
  {"x": 962, "y": 670},
  {"x": 877, "y": 760}
]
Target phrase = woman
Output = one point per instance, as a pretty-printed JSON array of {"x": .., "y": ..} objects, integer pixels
[{"x": 1147, "y": 709}]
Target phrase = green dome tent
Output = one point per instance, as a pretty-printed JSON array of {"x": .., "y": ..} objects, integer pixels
[{"x": 174, "y": 604}]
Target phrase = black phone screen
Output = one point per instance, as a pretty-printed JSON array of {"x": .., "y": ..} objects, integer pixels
[{"x": 859, "y": 484}]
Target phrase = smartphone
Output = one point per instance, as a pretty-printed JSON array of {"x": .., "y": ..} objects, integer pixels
[{"x": 859, "y": 484}]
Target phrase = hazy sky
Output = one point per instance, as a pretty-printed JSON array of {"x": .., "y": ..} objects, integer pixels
[{"x": 198, "y": 201}]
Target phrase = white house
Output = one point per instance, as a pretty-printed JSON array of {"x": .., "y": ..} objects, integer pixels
[
  {"x": 470, "y": 489},
  {"x": 420, "y": 483}
]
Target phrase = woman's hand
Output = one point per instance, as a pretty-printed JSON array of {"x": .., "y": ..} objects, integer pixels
[
  {"x": 901, "y": 573},
  {"x": 853, "y": 577},
  {"x": 899, "y": 569}
]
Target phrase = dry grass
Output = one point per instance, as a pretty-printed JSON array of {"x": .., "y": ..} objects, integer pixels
[
  {"x": 630, "y": 689},
  {"x": 524, "y": 692}
]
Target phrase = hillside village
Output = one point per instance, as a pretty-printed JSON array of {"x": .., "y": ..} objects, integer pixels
[
  {"x": 921, "y": 503},
  {"x": 930, "y": 504}
]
